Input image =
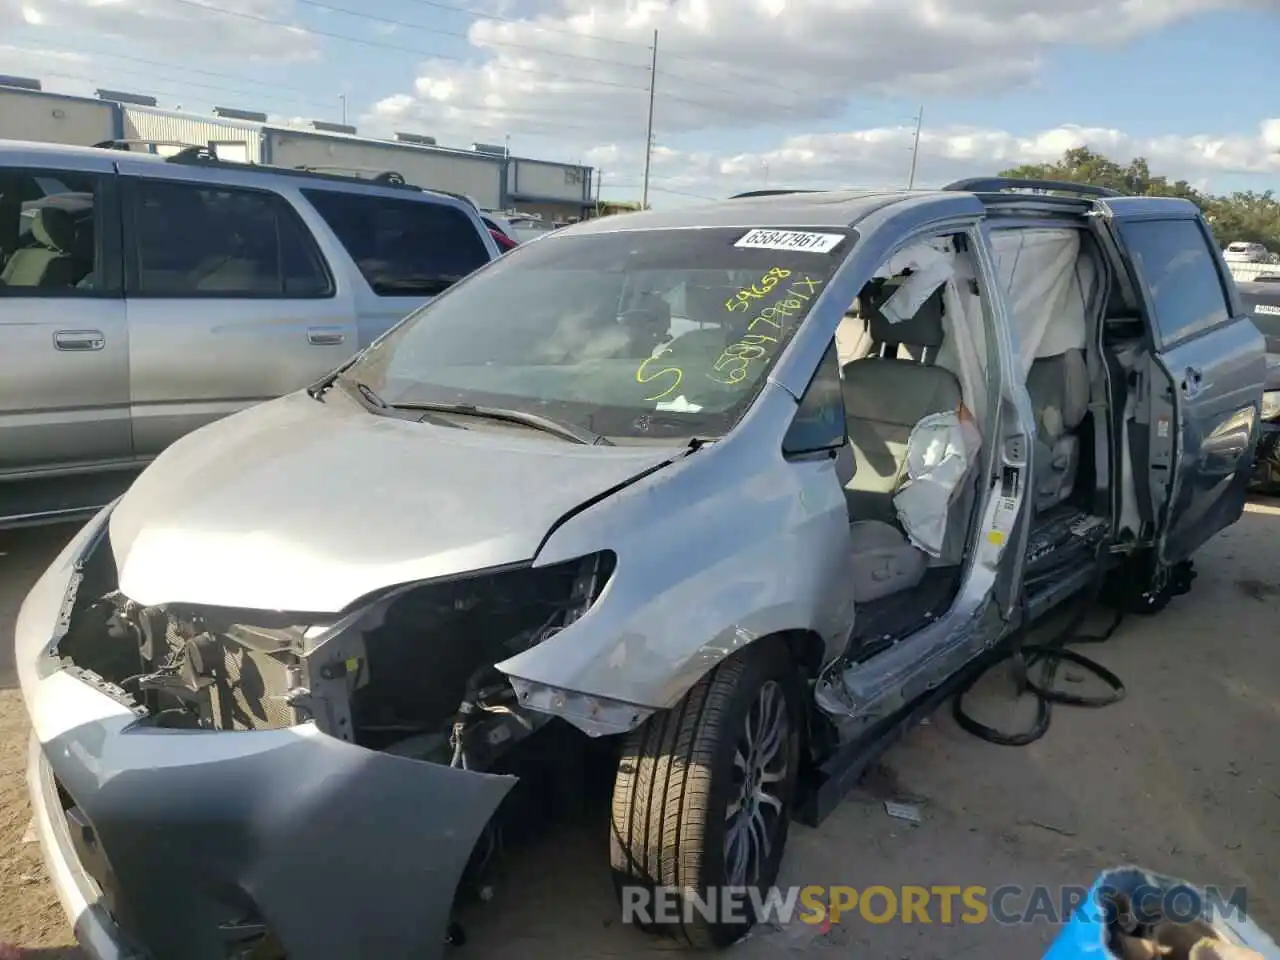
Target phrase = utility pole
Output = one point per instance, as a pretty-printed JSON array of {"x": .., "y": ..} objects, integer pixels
[
  {"x": 915, "y": 148},
  {"x": 599, "y": 177},
  {"x": 343, "y": 97},
  {"x": 648, "y": 138}
]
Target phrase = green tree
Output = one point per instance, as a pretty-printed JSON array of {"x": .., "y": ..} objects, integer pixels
[{"x": 1246, "y": 215}]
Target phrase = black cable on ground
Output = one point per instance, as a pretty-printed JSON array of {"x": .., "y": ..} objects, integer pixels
[{"x": 1048, "y": 657}]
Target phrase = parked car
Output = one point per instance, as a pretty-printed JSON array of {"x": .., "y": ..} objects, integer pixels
[
  {"x": 500, "y": 230},
  {"x": 142, "y": 297},
  {"x": 281, "y": 689},
  {"x": 1242, "y": 252},
  {"x": 1261, "y": 299},
  {"x": 525, "y": 229}
]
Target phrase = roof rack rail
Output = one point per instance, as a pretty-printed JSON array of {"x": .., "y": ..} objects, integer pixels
[
  {"x": 996, "y": 184},
  {"x": 457, "y": 196},
  {"x": 207, "y": 158},
  {"x": 126, "y": 144},
  {"x": 378, "y": 175},
  {"x": 768, "y": 193}
]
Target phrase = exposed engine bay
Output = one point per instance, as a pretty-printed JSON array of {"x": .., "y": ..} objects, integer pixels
[{"x": 410, "y": 673}]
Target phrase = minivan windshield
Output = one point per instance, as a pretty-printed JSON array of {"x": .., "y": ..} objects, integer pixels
[{"x": 636, "y": 333}]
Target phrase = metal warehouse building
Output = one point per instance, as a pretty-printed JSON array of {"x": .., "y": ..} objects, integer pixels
[{"x": 485, "y": 173}]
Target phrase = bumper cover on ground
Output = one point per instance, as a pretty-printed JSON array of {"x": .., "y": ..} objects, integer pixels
[{"x": 336, "y": 850}]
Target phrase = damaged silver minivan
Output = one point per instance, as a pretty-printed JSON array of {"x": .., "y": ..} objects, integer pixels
[{"x": 733, "y": 490}]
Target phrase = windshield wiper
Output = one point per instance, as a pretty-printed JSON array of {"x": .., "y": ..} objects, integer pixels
[
  {"x": 559, "y": 428},
  {"x": 361, "y": 392}
]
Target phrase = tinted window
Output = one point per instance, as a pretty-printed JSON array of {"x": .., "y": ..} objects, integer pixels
[
  {"x": 1176, "y": 263},
  {"x": 48, "y": 234},
  {"x": 198, "y": 241},
  {"x": 403, "y": 247},
  {"x": 655, "y": 333}
]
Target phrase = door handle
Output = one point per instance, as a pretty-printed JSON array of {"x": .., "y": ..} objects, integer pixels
[
  {"x": 79, "y": 340},
  {"x": 325, "y": 336}
]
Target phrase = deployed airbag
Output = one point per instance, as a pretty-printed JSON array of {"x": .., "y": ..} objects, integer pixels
[
  {"x": 940, "y": 452},
  {"x": 933, "y": 265},
  {"x": 1049, "y": 286}
]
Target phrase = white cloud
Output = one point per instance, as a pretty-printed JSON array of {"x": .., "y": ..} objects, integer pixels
[
  {"x": 749, "y": 62},
  {"x": 256, "y": 29},
  {"x": 881, "y": 157}
]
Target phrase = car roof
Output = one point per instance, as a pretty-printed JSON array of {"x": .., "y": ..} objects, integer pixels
[
  {"x": 221, "y": 171},
  {"x": 835, "y": 209}
]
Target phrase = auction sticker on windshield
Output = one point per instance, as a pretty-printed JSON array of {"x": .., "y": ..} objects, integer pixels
[{"x": 789, "y": 240}]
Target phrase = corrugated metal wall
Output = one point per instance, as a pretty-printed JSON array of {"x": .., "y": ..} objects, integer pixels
[
  {"x": 241, "y": 140},
  {"x": 478, "y": 177},
  {"x": 27, "y": 115}
]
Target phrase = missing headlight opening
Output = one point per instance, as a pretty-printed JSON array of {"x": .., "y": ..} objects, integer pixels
[{"x": 411, "y": 673}]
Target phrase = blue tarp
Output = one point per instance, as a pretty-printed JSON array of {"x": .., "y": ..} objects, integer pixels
[{"x": 1085, "y": 936}]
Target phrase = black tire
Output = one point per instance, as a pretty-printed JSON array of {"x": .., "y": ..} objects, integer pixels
[{"x": 671, "y": 799}]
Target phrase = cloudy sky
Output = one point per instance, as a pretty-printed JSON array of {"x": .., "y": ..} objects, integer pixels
[{"x": 748, "y": 93}]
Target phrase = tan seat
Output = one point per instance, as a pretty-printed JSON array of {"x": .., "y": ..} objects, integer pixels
[
  {"x": 885, "y": 397},
  {"x": 53, "y": 262},
  {"x": 1059, "y": 390}
]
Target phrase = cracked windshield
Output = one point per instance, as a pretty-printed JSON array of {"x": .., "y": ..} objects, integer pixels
[{"x": 651, "y": 333}]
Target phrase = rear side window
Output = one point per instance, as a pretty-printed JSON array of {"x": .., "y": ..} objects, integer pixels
[
  {"x": 192, "y": 240},
  {"x": 52, "y": 241},
  {"x": 402, "y": 247},
  {"x": 1176, "y": 263}
]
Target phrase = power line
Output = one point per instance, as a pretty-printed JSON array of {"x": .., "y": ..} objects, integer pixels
[
  {"x": 564, "y": 31},
  {"x": 537, "y": 71},
  {"x": 172, "y": 66},
  {"x": 82, "y": 78},
  {"x": 485, "y": 15},
  {"x": 222, "y": 88},
  {"x": 382, "y": 44},
  {"x": 541, "y": 126},
  {"x": 391, "y": 21}
]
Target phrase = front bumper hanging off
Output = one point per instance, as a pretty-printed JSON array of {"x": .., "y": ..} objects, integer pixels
[{"x": 181, "y": 844}]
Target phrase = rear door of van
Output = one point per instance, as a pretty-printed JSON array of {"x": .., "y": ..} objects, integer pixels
[
  {"x": 407, "y": 246},
  {"x": 1207, "y": 370},
  {"x": 231, "y": 300}
]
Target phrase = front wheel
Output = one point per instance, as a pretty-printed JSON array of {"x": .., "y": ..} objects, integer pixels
[{"x": 703, "y": 799}]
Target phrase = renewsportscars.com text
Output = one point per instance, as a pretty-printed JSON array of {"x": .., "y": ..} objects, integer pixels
[{"x": 1008, "y": 904}]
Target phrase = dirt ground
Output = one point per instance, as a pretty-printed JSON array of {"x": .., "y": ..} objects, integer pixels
[{"x": 1183, "y": 776}]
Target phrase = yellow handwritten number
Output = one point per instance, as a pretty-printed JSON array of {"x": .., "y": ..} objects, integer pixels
[
  {"x": 646, "y": 377},
  {"x": 756, "y": 291}
]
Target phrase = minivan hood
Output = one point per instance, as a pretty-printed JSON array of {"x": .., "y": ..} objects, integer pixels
[{"x": 306, "y": 506}]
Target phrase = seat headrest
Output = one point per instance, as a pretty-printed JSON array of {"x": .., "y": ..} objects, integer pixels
[
  {"x": 54, "y": 228},
  {"x": 923, "y": 330}
]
